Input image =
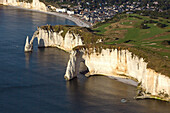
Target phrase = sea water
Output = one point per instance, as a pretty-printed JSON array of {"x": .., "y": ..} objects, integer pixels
[{"x": 34, "y": 82}]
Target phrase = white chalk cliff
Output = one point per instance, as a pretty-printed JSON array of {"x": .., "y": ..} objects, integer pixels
[
  {"x": 35, "y": 4},
  {"x": 49, "y": 38},
  {"x": 113, "y": 62},
  {"x": 109, "y": 62}
]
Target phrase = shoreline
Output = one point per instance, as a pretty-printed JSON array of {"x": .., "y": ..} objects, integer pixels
[
  {"x": 72, "y": 18},
  {"x": 125, "y": 80},
  {"x": 80, "y": 23}
]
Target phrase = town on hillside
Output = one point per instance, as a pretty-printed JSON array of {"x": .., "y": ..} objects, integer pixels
[{"x": 101, "y": 10}]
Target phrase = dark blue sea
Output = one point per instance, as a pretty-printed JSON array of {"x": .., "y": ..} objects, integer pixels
[{"x": 34, "y": 82}]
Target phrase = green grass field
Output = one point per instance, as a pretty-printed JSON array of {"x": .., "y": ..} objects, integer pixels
[
  {"x": 101, "y": 29},
  {"x": 143, "y": 36},
  {"x": 133, "y": 35}
]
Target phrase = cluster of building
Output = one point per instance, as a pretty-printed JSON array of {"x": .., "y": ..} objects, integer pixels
[{"x": 105, "y": 12}]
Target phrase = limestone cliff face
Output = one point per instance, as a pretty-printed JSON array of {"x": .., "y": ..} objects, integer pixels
[
  {"x": 101, "y": 60},
  {"x": 34, "y": 4},
  {"x": 113, "y": 62},
  {"x": 49, "y": 38}
]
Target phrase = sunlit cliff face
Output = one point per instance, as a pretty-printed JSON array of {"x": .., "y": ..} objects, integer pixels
[
  {"x": 35, "y": 4},
  {"x": 109, "y": 62},
  {"x": 120, "y": 62},
  {"x": 67, "y": 39},
  {"x": 54, "y": 39}
]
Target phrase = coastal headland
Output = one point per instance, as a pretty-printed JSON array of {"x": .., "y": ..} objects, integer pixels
[
  {"x": 112, "y": 45},
  {"x": 113, "y": 60},
  {"x": 36, "y": 5}
]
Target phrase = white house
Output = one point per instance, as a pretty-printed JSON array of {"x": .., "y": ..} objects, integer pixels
[
  {"x": 61, "y": 10},
  {"x": 70, "y": 12}
]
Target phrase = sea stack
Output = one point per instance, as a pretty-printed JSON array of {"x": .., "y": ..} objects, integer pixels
[{"x": 28, "y": 46}]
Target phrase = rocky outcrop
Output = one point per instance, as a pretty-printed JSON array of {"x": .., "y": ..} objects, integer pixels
[
  {"x": 64, "y": 39},
  {"x": 115, "y": 62},
  {"x": 28, "y": 46},
  {"x": 29, "y": 4},
  {"x": 101, "y": 59}
]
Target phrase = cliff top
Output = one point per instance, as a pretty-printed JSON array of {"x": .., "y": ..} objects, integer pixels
[
  {"x": 154, "y": 60},
  {"x": 145, "y": 36},
  {"x": 86, "y": 34},
  {"x": 136, "y": 30}
]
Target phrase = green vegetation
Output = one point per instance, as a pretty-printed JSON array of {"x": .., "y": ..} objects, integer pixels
[
  {"x": 139, "y": 31},
  {"x": 50, "y": 2},
  {"x": 102, "y": 29},
  {"x": 27, "y": 1},
  {"x": 165, "y": 42}
]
